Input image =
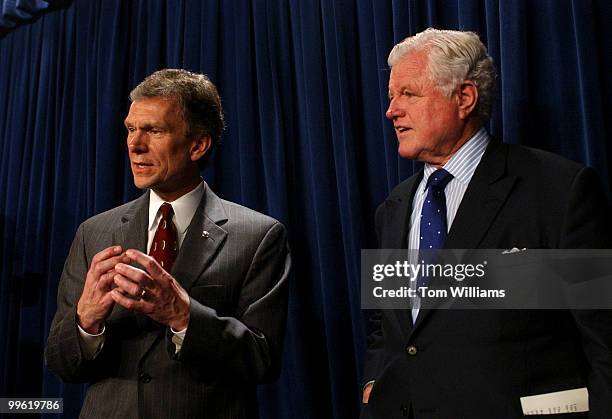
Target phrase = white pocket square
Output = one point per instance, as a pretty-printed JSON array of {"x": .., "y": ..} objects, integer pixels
[
  {"x": 567, "y": 401},
  {"x": 513, "y": 250}
]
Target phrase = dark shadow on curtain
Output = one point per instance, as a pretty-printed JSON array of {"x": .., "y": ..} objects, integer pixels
[{"x": 14, "y": 13}]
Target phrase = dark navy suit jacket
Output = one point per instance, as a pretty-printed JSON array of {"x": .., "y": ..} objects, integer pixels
[{"x": 475, "y": 363}]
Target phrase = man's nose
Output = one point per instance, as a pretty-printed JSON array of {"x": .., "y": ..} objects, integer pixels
[
  {"x": 393, "y": 110},
  {"x": 136, "y": 141}
]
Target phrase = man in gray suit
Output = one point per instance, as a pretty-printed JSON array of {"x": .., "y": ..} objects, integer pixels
[{"x": 188, "y": 328}]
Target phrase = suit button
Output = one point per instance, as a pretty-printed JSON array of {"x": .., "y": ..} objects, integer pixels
[
  {"x": 144, "y": 377},
  {"x": 412, "y": 350}
]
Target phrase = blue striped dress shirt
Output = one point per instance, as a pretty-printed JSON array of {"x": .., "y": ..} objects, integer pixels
[{"x": 462, "y": 166}]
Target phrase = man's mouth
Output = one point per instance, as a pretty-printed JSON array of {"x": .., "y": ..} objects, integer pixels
[
  {"x": 141, "y": 165},
  {"x": 401, "y": 129}
]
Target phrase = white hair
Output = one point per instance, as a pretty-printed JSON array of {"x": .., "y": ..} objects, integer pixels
[{"x": 453, "y": 56}]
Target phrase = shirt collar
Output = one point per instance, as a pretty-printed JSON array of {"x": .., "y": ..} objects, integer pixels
[
  {"x": 463, "y": 163},
  {"x": 184, "y": 208}
]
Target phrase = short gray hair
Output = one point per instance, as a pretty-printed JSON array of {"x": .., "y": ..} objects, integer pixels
[
  {"x": 454, "y": 56},
  {"x": 195, "y": 93}
]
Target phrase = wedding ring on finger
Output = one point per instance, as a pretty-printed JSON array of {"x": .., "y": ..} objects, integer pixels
[{"x": 143, "y": 293}]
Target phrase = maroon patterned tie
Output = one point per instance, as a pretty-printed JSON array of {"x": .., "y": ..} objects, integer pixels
[{"x": 165, "y": 242}]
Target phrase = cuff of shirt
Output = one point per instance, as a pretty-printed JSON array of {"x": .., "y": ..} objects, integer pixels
[
  {"x": 91, "y": 345},
  {"x": 178, "y": 338}
]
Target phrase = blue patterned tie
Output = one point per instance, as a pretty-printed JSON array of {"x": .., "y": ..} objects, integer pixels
[{"x": 433, "y": 217}]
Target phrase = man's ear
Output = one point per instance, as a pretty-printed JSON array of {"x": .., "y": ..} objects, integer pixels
[
  {"x": 467, "y": 97},
  {"x": 200, "y": 146}
]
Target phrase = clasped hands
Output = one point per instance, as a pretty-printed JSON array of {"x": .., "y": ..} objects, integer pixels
[{"x": 152, "y": 291}]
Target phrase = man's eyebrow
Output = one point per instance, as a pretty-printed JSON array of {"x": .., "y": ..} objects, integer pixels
[
  {"x": 144, "y": 125},
  {"x": 399, "y": 88}
]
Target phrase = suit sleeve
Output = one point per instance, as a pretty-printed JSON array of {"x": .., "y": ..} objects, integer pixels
[
  {"x": 587, "y": 225},
  {"x": 63, "y": 353},
  {"x": 247, "y": 346},
  {"x": 375, "y": 339}
]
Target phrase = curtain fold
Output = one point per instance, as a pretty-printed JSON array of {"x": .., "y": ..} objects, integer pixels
[{"x": 304, "y": 88}]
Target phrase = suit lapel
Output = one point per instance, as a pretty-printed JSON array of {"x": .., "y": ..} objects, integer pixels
[
  {"x": 398, "y": 207},
  {"x": 204, "y": 237},
  {"x": 484, "y": 197},
  {"x": 132, "y": 232},
  {"x": 394, "y": 234}
]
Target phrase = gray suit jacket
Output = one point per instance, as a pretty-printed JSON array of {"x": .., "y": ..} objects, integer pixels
[{"x": 236, "y": 276}]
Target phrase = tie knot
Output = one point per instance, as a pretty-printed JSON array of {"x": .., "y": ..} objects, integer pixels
[
  {"x": 439, "y": 179},
  {"x": 167, "y": 211}
]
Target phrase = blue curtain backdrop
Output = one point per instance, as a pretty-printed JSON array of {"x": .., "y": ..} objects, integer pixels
[{"x": 304, "y": 90}]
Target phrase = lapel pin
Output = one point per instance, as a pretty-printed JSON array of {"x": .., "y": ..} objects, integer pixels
[{"x": 205, "y": 234}]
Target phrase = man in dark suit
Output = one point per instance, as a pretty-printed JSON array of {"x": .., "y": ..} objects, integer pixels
[
  {"x": 479, "y": 193},
  {"x": 172, "y": 305}
]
